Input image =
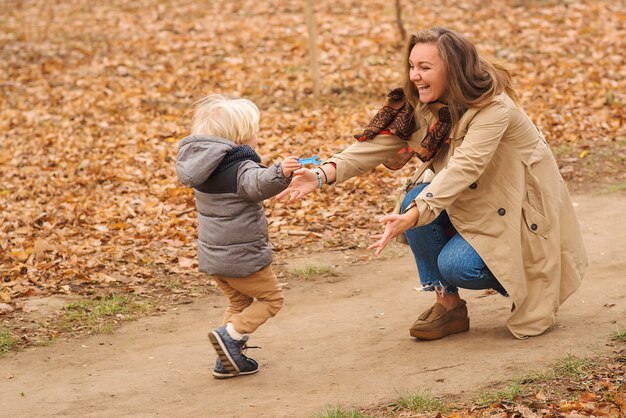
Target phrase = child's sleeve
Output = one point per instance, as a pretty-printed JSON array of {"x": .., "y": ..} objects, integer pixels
[{"x": 258, "y": 183}]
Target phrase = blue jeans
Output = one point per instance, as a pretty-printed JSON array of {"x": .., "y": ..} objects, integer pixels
[{"x": 445, "y": 261}]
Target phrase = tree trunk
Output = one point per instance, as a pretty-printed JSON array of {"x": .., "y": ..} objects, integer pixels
[
  {"x": 310, "y": 24},
  {"x": 399, "y": 20}
]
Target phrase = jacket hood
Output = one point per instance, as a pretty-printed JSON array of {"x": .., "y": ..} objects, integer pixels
[{"x": 199, "y": 156}]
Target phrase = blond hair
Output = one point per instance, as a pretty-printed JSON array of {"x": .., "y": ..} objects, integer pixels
[
  {"x": 472, "y": 80},
  {"x": 230, "y": 118}
]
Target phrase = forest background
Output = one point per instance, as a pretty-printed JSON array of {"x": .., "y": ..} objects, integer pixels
[{"x": 95, "y": 96}]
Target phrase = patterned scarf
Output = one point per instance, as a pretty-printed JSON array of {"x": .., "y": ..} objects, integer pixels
[
  {"x": 396, "y": 118},
  {"x": 241, "y": 153}
]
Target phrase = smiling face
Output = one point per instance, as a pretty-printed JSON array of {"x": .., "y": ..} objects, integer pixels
[{"x": 428, "y": 73}]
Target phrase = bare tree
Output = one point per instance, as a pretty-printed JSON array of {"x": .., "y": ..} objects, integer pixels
[
  {"x": 310, "y": 24},
  {"x": 399, "y": 20}
]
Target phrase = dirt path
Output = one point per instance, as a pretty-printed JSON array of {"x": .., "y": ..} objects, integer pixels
[{"x": 342, "y": 341}]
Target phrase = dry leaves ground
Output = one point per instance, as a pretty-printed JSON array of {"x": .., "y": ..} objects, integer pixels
[
  {"x": 94, "y": 97},
  {"x": 575, "y": 387}
]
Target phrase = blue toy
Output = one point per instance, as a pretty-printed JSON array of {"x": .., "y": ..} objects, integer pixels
[{"x": 313, "y": 160}]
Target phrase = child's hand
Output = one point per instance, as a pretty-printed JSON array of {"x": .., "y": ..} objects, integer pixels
[{"x": 289, "y": 165}]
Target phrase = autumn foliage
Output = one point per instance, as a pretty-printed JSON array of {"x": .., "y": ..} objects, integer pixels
[{"x": 94, "y": 97}]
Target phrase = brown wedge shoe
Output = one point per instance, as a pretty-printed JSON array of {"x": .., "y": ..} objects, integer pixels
[{"x": 437, "y": 322}]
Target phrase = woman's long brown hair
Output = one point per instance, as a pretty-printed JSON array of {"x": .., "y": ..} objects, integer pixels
[{"x": 472, "y": 80}]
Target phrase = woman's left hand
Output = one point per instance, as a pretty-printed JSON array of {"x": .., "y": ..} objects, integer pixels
[{"x": 394, "y": 225}]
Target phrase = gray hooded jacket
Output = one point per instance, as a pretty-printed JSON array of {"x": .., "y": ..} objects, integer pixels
[{"x": 232, "y": 228}]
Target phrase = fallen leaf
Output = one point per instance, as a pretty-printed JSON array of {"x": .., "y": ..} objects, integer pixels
[{"x": 587, "y": 397}]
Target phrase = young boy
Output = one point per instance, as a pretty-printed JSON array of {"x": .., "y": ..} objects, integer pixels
[{"x": 219, "y": 162}]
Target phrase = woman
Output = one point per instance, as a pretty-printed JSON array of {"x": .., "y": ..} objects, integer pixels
[{"x": 496, "y": 215}]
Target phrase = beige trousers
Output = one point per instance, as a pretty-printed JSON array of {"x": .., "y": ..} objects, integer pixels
[{"x": 252, "y": 299}]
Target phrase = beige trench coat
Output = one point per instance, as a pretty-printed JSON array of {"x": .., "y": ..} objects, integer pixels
[{"x": 501, "y": 187}]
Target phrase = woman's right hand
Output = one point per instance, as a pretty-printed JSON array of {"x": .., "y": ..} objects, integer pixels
[{"x": 304, "y": 182}]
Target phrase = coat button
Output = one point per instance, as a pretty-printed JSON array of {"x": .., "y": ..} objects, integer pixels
[
  {"x": 501, "y": 211},
  {"x": 533, "y": 227},
  {"x": 429, "y": 194},
  {"x": 473, "y": 186}
]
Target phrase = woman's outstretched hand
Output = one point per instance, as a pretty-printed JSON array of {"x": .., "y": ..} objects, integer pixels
[
  {"x": 394, "y": 225},
  {"x": 304, "y": 182}
]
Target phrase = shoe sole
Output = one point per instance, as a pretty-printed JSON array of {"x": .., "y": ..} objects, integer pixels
[
  {"x": 220, "y": 376},
  {"x": 448, "y": 329},
  {"x": 227, "y": 361}
]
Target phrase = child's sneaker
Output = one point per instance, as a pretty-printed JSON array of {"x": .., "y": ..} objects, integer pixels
[
  {"x": 219, "y": 372},
  {"x": 232, "y": 360}
]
